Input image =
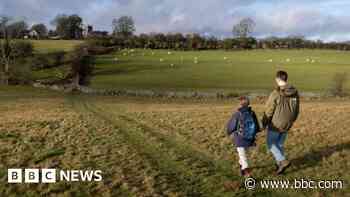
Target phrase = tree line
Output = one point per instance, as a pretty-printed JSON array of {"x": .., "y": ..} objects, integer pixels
[
  {"x": 179, "y": 41},
  {"x": 17, "y": 58},
  {"x": 123, "y": 36}
]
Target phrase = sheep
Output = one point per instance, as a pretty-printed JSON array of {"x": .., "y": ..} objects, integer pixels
[
  {"x": 270, "y": 60},
  {"x": 287, "y": 60},
  {"x": 161, "y": 59},
  {"x": 169, "y": 53},
  {"x": 225, "y": 58}
]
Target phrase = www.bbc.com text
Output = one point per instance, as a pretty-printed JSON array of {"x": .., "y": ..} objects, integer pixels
[{"x": 251, "y": 183}]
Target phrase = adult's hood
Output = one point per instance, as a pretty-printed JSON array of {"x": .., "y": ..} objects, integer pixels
[{"x": 288, "y": 90}]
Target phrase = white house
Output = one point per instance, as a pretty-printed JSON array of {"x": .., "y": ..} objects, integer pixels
[{"x": 33, "y": 34}]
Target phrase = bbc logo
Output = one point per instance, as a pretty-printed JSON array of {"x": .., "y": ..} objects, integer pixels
[
  {"x": 52, "y": 176},
  {"x": 31, "y": 175}
]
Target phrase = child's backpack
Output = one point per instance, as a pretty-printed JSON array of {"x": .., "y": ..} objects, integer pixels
[{"x": 247, "y": 127}]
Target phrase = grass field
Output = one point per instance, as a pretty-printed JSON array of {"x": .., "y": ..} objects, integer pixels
[
  {"x": 173, "y": 147},
  {"x": 224, "y": 71},
  {"x": 310, "y": 70},
  {"x": 44, "y": 46},
  {"x": 149, "y": 147}
]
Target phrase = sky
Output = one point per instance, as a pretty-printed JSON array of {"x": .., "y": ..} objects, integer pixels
[{"x": 327, "y": 20}]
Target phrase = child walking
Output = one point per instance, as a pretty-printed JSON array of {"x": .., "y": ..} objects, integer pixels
[{"x": 242, "y": 128}]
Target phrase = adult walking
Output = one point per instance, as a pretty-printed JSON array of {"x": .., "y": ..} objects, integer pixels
[{"x": 281, "y": 111}]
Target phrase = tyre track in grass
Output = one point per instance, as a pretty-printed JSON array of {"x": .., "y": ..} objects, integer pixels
[
  {"x": 199, "y": 172},
  {"x": 170, "y": 176},
  {"x": 127, "y": 170},
  {"x": 146, "y": 163}
]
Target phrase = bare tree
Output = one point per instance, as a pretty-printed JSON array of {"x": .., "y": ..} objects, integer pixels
[
  {"x": 243, "y": 28},
  {"x": 82, "y": 65},
  {"x": 5, "y": 43},
  {"x": 338, "y": 85}
]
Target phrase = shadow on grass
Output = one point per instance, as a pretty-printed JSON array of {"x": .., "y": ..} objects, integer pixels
[
  {"x": 313, "y": 158},
  {"x": 128, "y": 70}
]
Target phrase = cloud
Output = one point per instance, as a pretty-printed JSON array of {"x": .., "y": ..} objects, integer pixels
[
  {"x": 310, "y": 20},
  {"x": 313, "y": 18}
]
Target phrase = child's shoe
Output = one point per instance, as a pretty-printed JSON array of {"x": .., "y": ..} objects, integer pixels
[
  {"x": 247, "y": 172},
  {"x": 283, "y": 165}
]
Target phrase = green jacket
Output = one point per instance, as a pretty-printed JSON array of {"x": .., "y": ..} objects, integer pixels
[{"x": 282, "y": 108}]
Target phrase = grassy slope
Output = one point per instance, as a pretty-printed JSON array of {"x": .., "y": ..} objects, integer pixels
[
  {"x": 242, "y": 70},
  {"x": 316, "y": 153},
  {"x": 157, "y": 147},
  {"x": 44, "y": 46}
]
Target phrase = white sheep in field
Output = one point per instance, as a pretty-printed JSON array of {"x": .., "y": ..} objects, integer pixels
[
  {"x": 312, "y": 61},
  {"x": 169, "y": 53},
  {"x": 116, "y": 59},
  {"x": 172, "y": 65},
  {"x": 196, "y": 60},
  {"x": 225, "y": 58},
  {"x": 124, "y": 54},
  {"x": 307, "y": 60},
  {"x": 270, "y": 60},
  {"x": 161, "y": 59},
  {"x": 287, "y": 60}
]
